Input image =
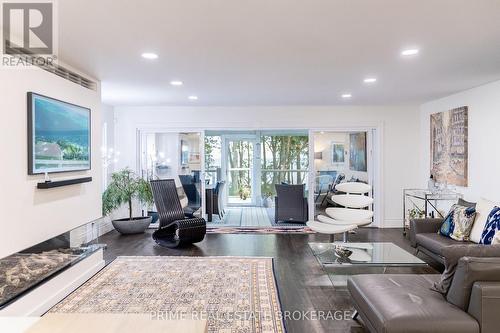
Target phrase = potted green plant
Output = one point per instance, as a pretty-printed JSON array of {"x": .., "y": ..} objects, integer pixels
[
  {"x": 415, "y": 213},
  {"x": 244, "y": 192},
  {"x": 125, "y": 188},
  {"x": 267, "y": 199}
]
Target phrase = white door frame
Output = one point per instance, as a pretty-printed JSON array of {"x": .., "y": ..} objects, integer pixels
[
  {"x": 253, "y": 138},
  {"x": 374, "y": 158},
  {"x": 378, "y": 153},
  {"x": 142, "y": 132}
]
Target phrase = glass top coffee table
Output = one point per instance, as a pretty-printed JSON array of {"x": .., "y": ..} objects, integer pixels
[{"x": 366, "y": 258}]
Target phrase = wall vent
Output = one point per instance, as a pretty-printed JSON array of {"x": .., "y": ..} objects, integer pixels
[
  {"x": 69, "y": 75},
  {"x": 58, "y": 70}
]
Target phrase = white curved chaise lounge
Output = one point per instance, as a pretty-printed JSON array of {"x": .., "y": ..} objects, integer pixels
[{"x": 353, "y": 215}]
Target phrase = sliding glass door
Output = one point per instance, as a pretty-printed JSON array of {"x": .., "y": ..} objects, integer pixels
[
  {"x": 240, "y": 171},
  {"x": 178, "y": 156},
  {"x": 340, "y": 156},
  {"x": 251, "y": 163},
  {"x": 284, "y": 160}
]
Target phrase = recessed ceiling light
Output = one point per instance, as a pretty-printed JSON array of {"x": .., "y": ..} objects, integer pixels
[
  {"x": 370, "y": 80},
  {"x": 149, "y": 55},
  {"x": 347, "y": 95},
  {"x": 409, "y": 52},
  {"x": 176, "y": 83},
  {"x": 193, "y": 98}
]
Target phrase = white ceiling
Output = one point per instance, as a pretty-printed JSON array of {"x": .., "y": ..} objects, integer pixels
[{"x": 281, "y": 52}]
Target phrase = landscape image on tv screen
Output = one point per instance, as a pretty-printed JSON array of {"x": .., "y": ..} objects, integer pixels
[{"x": 59, "y": 135}]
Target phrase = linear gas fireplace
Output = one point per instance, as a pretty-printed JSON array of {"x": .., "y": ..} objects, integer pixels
[{"x": 25, "y": 270}]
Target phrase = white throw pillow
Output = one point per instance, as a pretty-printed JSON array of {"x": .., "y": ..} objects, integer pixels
[
  {"x": 496, "y": 239},
  {"x": 483, "y": 209}
]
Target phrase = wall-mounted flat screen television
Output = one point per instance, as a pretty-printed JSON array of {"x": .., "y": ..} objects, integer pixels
[{"x": 58, "y": 136}]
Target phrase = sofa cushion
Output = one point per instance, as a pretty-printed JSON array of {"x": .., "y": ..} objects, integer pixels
[
  {"x": 435, "y": 242},
  {"x": 496, "y": 239},
  {"x": 452, "y": 255},
  {"x": 491, "y": 227},
  {"x": 470, "y": 270},
  {"x": 405, "y": 303},
  {"x": 464, "y": 203},
  {"x": 483, "y": 209}
]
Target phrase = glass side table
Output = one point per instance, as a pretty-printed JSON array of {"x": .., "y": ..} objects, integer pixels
[
  {"x": 425, "y": 203},
  {"x": 366, "y": 258}
]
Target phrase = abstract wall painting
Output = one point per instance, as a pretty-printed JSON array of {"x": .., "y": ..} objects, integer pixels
[
  {"x": 449, "y": 146},
  {"x": 338, "y": 152},
  {"x": 357, "y": 151}
]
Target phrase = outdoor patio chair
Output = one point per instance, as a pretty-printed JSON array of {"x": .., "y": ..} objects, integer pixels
[
  {"x": 290, "y": 204},
  {"x": 174, "y": 228},
  {"x": 217, "y": 199}
]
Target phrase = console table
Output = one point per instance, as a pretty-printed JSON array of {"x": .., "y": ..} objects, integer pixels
[{"x": 425, "y": 201}]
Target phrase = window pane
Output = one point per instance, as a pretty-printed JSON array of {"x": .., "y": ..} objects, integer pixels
[{"x": 284, "y": 158}]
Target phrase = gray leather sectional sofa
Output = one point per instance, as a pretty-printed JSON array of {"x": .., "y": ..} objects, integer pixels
[
  {"x": 425, "y": 238},
  {"x": 465, "y": 298},
  {"x": 408, "y": 304}
]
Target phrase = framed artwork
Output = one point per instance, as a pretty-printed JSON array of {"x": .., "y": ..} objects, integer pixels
[
  {"x": 449, "y": 146},
  {"x": 184, "y": 152},
  {"x": 357, "y": 152},
  {"x": 58, "y": 136},
  {"x": 194, "y": 158},
  {"x": 338, "y": 153}
]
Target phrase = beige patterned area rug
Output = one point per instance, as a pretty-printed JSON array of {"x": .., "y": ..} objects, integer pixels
[{"x": 234, "y": 294}]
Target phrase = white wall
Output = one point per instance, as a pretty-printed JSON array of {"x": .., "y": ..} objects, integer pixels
[
  {"x": 29, "y": 215},
  {"x": 399, "y": 127},
  {"x": 484, "y": 139},
  {"x": 108, "y": 121},
  {"x": 103, "y": 225}
]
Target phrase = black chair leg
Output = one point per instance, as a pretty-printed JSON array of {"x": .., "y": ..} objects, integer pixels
[
  {"x": 317, "y": 197},
  {"x": 325, "y": 198}
]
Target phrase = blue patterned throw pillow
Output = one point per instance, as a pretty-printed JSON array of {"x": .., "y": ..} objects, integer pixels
[
  {"x": 446, "y": 228},
  {"x": 458, "y": 223},
  {"x": 491, "y": 227}
]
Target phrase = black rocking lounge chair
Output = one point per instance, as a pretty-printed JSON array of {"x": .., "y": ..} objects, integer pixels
[{"x": 174, "y": 228}]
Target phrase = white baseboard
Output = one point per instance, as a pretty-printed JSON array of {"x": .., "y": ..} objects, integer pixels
[
  {"x": 104, "y": 227},
  {"x": 42, "y": 298},
  {"x": 393, "y": 223}
]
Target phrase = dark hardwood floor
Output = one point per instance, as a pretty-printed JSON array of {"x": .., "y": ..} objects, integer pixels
[{"x": 302, "y": 283}]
